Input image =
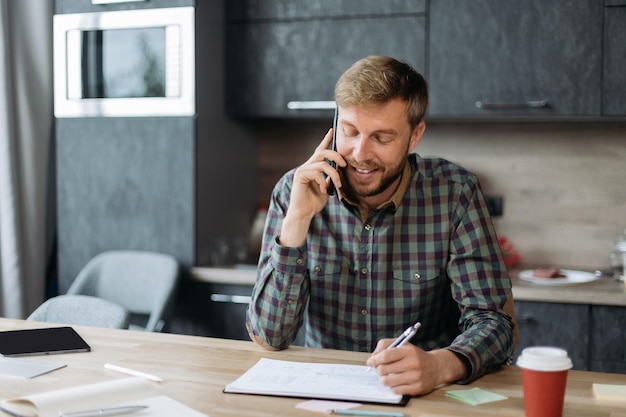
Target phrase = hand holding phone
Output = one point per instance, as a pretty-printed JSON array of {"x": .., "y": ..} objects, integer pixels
[{"x": 333, "y": 146}]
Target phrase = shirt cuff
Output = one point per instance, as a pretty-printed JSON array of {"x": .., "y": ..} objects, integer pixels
[{"x": 287, "y": 260}]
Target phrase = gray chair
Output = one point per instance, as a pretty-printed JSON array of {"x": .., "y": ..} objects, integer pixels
[
  {"x": 81, "y": 310},
  {"x": 142, "y": 282}
]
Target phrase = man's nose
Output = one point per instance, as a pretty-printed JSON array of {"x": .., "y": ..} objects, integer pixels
[{"x": 362, "y": 149}]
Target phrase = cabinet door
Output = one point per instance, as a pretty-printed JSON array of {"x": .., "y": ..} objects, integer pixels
[
  {"x": 552, "y": 324},
  {"x": 271, "y": 63},
  {"x": 303, "y": 9},
  {"x": 614, "y": 78},
  {"x": 499, "y": 58},
  {"x": 608, "y": 339},
  {"x": 213, "y": 310}
]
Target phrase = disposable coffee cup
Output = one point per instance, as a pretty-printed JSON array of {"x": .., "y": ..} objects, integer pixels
[{"x": 544, "y": 377}]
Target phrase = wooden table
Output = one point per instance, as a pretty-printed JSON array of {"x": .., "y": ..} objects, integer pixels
[{"x": 196, "y": 369}]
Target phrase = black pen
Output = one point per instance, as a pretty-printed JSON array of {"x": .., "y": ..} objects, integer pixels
[{"x": 402, "y": 339}]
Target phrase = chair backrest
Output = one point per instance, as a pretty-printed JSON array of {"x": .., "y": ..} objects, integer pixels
[
  {"x": 81, "y": 310},
  {"x": 142, "y": 282}
]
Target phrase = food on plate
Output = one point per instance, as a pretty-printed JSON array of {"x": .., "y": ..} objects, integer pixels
[{"x": 547, "y": 273}]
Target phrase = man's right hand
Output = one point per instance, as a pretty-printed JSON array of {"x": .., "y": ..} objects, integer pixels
[{"x": 308, "y": 193}]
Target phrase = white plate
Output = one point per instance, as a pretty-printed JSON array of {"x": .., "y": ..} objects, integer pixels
[{"x": 571, "y": 277}]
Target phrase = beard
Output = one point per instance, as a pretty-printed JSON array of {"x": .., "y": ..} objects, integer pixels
[{"x": 371, "y": 189}]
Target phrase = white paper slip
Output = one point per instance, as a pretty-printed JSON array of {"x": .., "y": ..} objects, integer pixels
[
  {"x": 27, "y": 369},
  {"x": 610, "y": 392},
  {"x": 326, "y": 381}
]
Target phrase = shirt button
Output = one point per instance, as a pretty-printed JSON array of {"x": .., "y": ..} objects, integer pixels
[
  {"x": 299, "y": 261},
  {"x": 364, "y": 271},
  {"x": 417, "y": 276},
  {"x": 364, "y": 312},
  {"x": 368, "y": 227},
  {"x": 290, "y": 302},
  {"x": 317, "y": 269}
]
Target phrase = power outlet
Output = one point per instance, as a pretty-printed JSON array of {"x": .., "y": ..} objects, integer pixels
[{"x": 495, "y": 205}]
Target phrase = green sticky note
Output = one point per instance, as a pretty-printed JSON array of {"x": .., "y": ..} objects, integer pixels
[{"x": 475, "y": 396}]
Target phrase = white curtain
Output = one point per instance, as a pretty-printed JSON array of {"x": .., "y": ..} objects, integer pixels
[{"x": 26, "y": 132}]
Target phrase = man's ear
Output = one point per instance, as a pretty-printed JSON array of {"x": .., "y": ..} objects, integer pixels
[{"x": 417, "y": 134}]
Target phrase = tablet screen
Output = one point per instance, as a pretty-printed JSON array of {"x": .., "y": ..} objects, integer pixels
[{"x": 41, "y": 342}]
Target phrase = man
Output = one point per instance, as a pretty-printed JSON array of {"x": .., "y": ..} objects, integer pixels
[{"x": 405, "y": 239}]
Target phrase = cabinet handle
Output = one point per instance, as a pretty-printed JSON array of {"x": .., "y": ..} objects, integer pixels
[
  {"x": 311, "y": 105},
  {"x": 235, "y": 299},
  {"x": 113, "y": 1},
  {"x": 512, "y": 104}
]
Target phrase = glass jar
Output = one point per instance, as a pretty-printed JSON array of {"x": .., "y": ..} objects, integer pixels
[{"x": 618, "y": 257}]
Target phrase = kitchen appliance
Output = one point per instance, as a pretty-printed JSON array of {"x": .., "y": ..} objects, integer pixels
[{"x": 125, "y": 63}]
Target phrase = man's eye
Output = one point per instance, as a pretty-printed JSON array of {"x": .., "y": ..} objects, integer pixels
[
  {"x": 350, "y": 132},
  {"x": 383, "y": 138}
]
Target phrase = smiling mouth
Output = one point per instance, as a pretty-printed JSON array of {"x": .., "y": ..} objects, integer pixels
[{"x": 364, "y": 169}]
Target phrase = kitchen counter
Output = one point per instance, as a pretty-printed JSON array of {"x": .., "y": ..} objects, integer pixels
[
  {"x": 603, "y": 291},
  {"x": 240, "y": 274}
]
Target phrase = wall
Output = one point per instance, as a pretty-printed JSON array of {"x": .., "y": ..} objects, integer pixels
[{"x": 564, "y": 184}]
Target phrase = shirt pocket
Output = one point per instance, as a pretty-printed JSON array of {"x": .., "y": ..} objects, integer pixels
[
  {"x": 417, "y": 287},
  {"x": 327, "y": 272},
  {"x": 325, "y": 267},
  {"x": 330, "y": 279}
]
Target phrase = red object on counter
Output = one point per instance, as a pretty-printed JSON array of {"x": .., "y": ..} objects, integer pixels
[{"x": 509, "y": 253}]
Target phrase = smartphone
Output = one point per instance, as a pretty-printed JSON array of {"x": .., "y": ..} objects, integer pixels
[{"x": 333, "y": 146}]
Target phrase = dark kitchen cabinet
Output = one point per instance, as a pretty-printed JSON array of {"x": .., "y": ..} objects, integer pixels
[
  {"x": 494, "y": 58},
  {"x": 165, "y": 184},
  {"x": 215, "y": 309},
  {"x": 614, "y": 76},
  {"x": 555, "y": 324},
  {"x": 285, "y": 51},
  {"x": 212, "y": 309},
  {"x": 255, "y": 10},
  {"x": 607, "y": 352}
]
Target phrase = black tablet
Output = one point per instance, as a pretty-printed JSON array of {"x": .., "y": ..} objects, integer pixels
[{"x": 29, "y": 342}]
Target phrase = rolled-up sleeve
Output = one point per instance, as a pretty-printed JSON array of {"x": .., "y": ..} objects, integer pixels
[
  {"x": 279, "y": 297},
  {"x": 480, "y": 285}
]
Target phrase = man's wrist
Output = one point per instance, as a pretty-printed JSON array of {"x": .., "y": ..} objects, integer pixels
[
  {"x": 293, "y": 232},
  {"x": 453, "y": 366}
]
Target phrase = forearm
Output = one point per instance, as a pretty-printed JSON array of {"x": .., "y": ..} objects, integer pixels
[
  {"x": 480, "y": 286},
  {"x": 294, "y": 230},
  {"x": 485, "y": 344},
  {"x": 276, "y": 309}
]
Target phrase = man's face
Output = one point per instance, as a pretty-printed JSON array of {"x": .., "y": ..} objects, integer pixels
[{"x": 375, "y": 141}]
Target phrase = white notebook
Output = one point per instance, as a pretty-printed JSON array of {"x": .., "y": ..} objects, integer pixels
[{"x": 326, "y": 381}]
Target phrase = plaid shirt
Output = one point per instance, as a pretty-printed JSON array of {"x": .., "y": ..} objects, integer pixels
[{"x": 433, "y": 258}]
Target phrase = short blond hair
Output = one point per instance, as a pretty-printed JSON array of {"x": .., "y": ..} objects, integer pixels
[{"x": 377, "y": 79}]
